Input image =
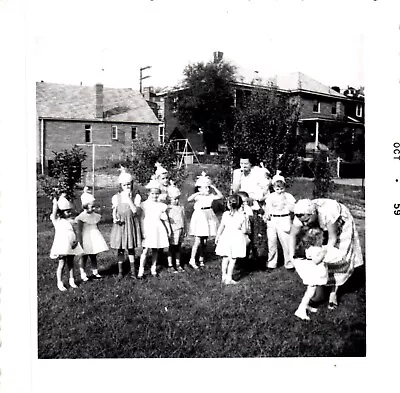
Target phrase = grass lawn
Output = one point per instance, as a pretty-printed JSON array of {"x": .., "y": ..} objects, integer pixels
[{"x": 191, "y": 314}]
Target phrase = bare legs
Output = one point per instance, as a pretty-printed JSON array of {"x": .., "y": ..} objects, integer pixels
[
  {"x": 69, "y": 260},
  {"x": 199, "y": 244},
  {"x": 227, "y": 267},
  {"x": 154, "y": 257},
  {"x": 301, "y": 311}
]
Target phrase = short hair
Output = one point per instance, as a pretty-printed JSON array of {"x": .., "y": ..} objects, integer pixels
[
  {"x": 243, "y": 194},
  {"x": 246, "y": 155},
  {"x": 235, "y": 201}
]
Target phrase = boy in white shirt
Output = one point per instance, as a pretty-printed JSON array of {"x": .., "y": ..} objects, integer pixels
[{"x": 279, "y": 207}]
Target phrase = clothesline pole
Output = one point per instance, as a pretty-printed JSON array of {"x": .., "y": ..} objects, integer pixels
[{"x": 93, "y": 158}]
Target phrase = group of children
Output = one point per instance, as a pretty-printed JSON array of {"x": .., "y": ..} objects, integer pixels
[{"x": 159, "y": 223}]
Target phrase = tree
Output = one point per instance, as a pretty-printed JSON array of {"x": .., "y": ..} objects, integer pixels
[
  {"x": 144, "y": 153},
  {"x": 206, "y": 101},
  {"x": 266, "y": 126},
  {"x": 67, "y": 171},
  {"x": 323, "y": 175}
]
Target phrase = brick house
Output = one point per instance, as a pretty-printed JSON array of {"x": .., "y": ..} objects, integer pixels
[
  {"x": 327, "y": 116},
  {"x": 70, "y": 115}
]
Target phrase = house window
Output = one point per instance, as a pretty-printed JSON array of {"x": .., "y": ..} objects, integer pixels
[
  {"x": 134, "y": 133},
  {"x": 334, "y": 109},
  {"x": 359, "y": 110},
  {"x": 160, "y": 116},
  {"x": 316, "y": 106},
  {"x": 88, "y": 133},
  {"x": 174, "y": 104},
  {"x": 161, "y": 134},
  {"x": 114, "y": 133}
]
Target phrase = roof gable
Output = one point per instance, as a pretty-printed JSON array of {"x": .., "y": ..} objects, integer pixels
[{"x": 79, "y": 102}]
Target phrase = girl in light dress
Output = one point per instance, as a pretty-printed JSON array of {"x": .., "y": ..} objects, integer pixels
[
  {"x": 89, "y": 235},
  {"x": 312, "y": 269},
  {"x": 162, "y": 176},
  {"x": 126, "y": 232},
  {"x": 231, "y": 238},
  {"x": 204, "y": 222},
  {"x": 155, "y": 227},
  {"x": 176, "y": 215},
  {"x": 65, "y": 245}
]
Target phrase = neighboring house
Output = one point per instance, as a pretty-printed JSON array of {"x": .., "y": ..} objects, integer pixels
[
  {"x": 70, "y": 115},
  {"x": 327, "y": 116}
]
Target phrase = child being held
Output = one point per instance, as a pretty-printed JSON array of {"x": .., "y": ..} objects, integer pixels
[{"x": 312, "y": 269}]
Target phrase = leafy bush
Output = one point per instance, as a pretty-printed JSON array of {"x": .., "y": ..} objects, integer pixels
[
  {"x": 144, "y": 153},
  {"x": 66, "y": 173},
  {"x": 323, "y": 175},
  {"x": 266, "y": 126}
]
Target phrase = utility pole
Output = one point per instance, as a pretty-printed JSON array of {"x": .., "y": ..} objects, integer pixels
[
  {"x": 143, "y": 77},
  {"x": 93, "y": 157}
]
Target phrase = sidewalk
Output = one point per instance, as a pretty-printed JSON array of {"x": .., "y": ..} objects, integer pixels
[{"x": 348, "y": 182}]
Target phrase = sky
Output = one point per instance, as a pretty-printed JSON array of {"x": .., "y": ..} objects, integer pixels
[{"x": 95, "y": 41}]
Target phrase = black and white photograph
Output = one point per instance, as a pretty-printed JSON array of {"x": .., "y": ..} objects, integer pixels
[{"x": 195, "y": 193}]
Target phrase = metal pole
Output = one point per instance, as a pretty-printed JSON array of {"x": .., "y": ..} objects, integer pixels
[
  {"x": 93, "y": 158},
  {"x": 316, "y": 134}
]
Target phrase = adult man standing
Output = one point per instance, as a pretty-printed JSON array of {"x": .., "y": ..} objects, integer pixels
[{"x": 254, "y": 180}]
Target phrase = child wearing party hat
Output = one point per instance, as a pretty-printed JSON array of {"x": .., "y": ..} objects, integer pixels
[
  {"x": 176, "y": 215},
  {"x": 162, "y": 176},
  {"x": 126, "y": 232},
  {"x": 204, "y": 222},
  {"x": 89, "y": 235},
  {"x": 155, "y": 226},
  {"x": 279, "y": 206},
  {"x": 65, "y": 245}
]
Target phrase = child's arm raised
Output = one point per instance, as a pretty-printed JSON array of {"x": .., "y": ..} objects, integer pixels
[
  {"x": 193, "y": 197},
  {"x": 218, "y": 194}
]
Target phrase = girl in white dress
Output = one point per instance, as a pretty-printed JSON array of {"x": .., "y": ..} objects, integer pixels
[
  {"x": 231, "y": 238},
  {"x": 313, "y": 268},
  {"x": 155, "y": 227},
  {"x": 65, "y": 245},
  {"x": 89, "y": 235},
  {"x": 204, "y": 222}
]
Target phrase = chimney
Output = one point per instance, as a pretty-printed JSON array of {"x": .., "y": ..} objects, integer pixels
[
  {"x": 218, "y": 56},
  {"x": 99, "y": 101}
]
